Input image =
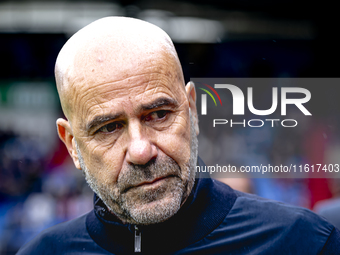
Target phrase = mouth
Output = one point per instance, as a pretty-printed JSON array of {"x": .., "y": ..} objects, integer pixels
[{"x": 155, "y": 182}]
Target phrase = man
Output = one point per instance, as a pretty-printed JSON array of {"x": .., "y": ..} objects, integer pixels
[{"x": 131, "y": 128}]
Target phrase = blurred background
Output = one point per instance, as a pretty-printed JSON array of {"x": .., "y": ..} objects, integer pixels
[{"x": 40, "y": 187}]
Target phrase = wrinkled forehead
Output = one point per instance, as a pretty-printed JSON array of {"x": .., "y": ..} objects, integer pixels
[{"x": 106, "y": 83}]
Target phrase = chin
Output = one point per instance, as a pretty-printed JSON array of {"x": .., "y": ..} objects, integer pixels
[{"x": 156, "y": 211}]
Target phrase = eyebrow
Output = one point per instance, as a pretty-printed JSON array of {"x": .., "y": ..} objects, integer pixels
[{"x": 160, "y": 102}]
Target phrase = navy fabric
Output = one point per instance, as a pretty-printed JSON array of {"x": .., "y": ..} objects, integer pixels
[
  {"x": 214, "y": 220},
  {"x": 66, "y": 238},
  {"x": 259, "y": 226},
  {"x": 192, "y": 223},
  {"x": 332, "y": 246}
]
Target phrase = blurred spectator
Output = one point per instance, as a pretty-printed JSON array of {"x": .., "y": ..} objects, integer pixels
[{"x": 330, "y": 208}]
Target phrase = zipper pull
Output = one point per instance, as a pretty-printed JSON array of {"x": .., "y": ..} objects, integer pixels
[{"x": 138, "y": 240}]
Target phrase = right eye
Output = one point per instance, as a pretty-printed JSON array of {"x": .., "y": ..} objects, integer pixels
[{"x": 111, "y": 127}]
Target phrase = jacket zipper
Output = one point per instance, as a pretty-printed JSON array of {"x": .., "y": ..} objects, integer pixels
[{"x": 138, "y": 240}]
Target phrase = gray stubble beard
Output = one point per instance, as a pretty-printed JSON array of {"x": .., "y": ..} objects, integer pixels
[{"x": 176, "y": 191}]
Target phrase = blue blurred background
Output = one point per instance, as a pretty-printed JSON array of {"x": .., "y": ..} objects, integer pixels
[{"x": 40, "y": 187}]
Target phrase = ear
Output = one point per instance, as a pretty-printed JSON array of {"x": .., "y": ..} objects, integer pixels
[
  {"x": 191, "y": 94},
  {"x": 66, "y": 135}
]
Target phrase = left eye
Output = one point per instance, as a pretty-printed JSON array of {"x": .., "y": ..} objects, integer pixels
[{"x": 156, "y": 115}]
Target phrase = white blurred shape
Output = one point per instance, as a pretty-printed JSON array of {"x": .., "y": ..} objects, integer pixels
[
  {"x": 39, "y": 210},
  {"x": 188, "y": 29},
  {"x": 185, "y": 29},
  {"x": 52, "y": 17}
]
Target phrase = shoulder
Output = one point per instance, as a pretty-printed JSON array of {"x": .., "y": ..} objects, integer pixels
[
  {"x": 69, "y": 237},
  {"x": 276, "y": 227},
  {"x": 255, "y": 208},
  {"x": 56, "y": 237},
  {"x": 280, "y": 215}
]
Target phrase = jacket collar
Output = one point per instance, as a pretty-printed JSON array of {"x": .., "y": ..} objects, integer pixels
[{"x": 206, "y": 207}]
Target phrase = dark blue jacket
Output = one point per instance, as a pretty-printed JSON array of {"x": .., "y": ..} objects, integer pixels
[{"x": 214, "y": 220}]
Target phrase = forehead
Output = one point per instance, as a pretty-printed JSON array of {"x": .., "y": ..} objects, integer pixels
[{"x": 104, "y": 83}]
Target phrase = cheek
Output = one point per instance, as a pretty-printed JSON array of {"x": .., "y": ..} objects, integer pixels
[
  {"x": 104, "y": 163},
  {"x": 175, "y": 142}
]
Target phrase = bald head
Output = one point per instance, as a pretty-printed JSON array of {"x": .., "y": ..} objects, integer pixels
[{"x": 112, "y": 48}]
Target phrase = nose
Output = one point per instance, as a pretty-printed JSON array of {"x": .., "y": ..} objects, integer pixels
[{"x": 140, "y": 148}]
